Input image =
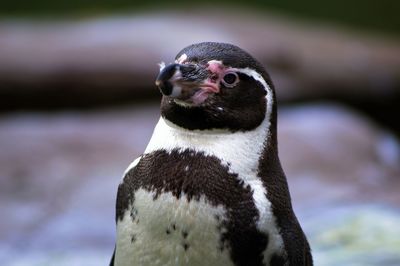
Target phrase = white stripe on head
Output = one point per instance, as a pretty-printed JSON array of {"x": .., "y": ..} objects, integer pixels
[
  {"x": 217, "y": 67},
  {"x": 182, "y": 59},
  {"x": 258, "y": 77}
]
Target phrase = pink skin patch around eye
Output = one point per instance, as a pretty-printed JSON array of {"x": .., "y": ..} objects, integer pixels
[
  {"x": 211, "y": 84},
  {"x": 218, "y": 71},
  {"x": 215, "y": 66}
]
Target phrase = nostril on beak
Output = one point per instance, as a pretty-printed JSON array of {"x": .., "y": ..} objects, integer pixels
[{"x": 163, "y": 79}]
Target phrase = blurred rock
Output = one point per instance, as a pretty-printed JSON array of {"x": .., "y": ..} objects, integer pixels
[
  {"x": 362, "y": 235},
  {"x": 104, "y": 60},
  {"x": 59, "y": 175},
  {"x": 339, "y": 151}
]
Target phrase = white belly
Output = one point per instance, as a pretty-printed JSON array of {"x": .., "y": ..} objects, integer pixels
[{"x": 170, "y": 231}]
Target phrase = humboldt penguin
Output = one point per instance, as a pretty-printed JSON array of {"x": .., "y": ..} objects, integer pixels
[{"x": 209, "y": 188}]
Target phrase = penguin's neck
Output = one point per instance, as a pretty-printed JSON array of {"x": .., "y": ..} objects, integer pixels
[{"x": 239, "y": 151}]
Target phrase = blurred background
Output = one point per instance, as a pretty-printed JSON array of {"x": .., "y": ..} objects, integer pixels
[{"x": 78, "y": 103}]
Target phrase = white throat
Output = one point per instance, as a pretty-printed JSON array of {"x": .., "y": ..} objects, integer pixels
[{"x": 240, "y": 151}]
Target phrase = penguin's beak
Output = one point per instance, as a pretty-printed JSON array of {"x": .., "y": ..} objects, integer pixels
[{"x": 190, "y": 83}]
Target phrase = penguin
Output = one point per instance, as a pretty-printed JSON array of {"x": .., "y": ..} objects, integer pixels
[{"x": 209, "y": 188}]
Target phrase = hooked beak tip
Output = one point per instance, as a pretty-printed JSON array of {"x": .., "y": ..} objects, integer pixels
[{"x": 163, "y": 79}]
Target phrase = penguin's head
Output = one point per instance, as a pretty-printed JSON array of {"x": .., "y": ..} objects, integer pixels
[{"x": 215, "y": 86}]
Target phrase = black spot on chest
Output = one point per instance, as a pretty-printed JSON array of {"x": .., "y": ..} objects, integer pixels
[{"x": 196, "y": 175}]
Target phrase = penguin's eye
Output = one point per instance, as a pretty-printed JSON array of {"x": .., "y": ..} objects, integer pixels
[{"x": 230, "y": 79}]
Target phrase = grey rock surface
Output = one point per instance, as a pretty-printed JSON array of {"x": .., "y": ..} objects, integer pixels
[
  {"x": 59, "y": 174},
  {"x": 343, "y": 153}
]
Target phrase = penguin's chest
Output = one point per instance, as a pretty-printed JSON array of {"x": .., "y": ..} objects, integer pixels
[
  {"x": 166, "y": 230},
  {"x": 181, "y": 207}
]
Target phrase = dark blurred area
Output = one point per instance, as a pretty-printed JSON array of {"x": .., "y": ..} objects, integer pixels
[
  {"x": 58, "y": 55},
  {"x": 78, "y": 103},
  {"x": 379, "y": 16}
]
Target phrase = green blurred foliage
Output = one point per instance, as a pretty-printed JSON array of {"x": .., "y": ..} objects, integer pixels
[{"x": 373, "y": 15}]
